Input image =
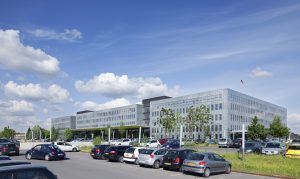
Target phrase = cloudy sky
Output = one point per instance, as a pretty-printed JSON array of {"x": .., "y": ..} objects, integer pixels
[{"x": 60, "y": 57}]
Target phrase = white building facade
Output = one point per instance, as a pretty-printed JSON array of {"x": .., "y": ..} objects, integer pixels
[
  {"x": 62, "y": 123},
  {"x": 229, "y": 110}
]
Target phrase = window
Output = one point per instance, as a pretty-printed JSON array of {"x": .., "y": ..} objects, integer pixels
[
  {"x": 218, "y": 157},
  {"x": 216, "y": 106},
  {"x": 220, "y": 106},
  {"x": 212, "y": 107},
  {"x": 37, "y": 147},
  {"x": 220, "y": 117}
]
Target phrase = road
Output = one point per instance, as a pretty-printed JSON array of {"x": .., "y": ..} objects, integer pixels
[{"x": 81, "y": 166}]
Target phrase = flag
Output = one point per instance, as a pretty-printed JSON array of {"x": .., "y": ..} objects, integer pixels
[{"x": 242, "y": 81}]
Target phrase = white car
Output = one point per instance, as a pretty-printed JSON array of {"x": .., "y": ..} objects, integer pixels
[
  {"x": 132, "y": 154},
  {"x": 123, "y": 142},
  {"x": 64, "y": 146},
  {"x": 153, "y": 143}
]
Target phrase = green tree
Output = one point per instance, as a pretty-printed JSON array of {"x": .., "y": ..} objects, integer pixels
[
  {"x": 68, "y": 134},
  {"x": 8, "y": 133},
  {"x": 167, "y": 121},
  {"x": 54, "y": 134},
  {"x": 277, "y": 129},
  {"x": 97, "y": 140},
  {"x": 256, "y": 130},
  {"x": 28, "y": 134}
]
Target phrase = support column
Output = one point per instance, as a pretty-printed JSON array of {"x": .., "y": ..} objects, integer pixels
[
  {"x": 126, "y": 133},
  {"x": 92, "y": 135},
  {"x": 140, "y": 132},
  {"x": 180, "y": 136},
  {"x": 108, "y": 135},
  {"x": 102, "y": 135}
]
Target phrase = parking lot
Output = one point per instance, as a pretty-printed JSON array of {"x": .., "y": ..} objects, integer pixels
[{"x": 82, "y": 166}]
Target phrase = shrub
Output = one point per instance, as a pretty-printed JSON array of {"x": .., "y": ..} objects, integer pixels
[{"x": 97, "y": 141}]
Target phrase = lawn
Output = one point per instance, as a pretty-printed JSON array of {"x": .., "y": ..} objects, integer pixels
[
  {"x": 266, "y": 165},
  {"x": 86, "y": 149}
]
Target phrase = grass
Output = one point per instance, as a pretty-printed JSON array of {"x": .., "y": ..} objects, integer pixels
[
  {"x": 266, "y": 165},
  {"x": 86, "y": 149}
]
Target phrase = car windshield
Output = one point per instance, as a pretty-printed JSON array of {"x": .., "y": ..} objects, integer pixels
[
  {"x": 293, "y": 147},
  {"x": 130, "y": 150},
  {"x": 222, "y": 140},
  {"x": 146, "y": 151},
  {"x": 249, "y": 145},
  {"x": 173, "y": 152},
  {"x": 273, "y": 145},
  {"x": 195, "y": 156}
]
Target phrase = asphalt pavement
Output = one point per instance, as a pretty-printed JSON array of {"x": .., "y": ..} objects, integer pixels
[{"x": 80, "y": 165}]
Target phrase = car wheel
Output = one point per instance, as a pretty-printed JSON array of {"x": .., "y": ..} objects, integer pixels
[
  {"x": 47, "y": 157},
  {"x": 141, "y": 165},
  {"x": 28, "y": 156},
  {"x": 101, "y": 157},
  {"x": 206, "y": 172},
  {"x": 147, "y": 145},
  {"x": 184, "y": 172},
  {"x": 180, "y": 168},
  {"x": 121, "y": 159},
  {"x": 156, "y": 164},
  {"x": 228, "y": 170},
  {"x": 17, "y": 154},
  {"x": 165, "y": 168},
  {"x": 74, "y": 150},
  {"x": 136, "y": 161}
]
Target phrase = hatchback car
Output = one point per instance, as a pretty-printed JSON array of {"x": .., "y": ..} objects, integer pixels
[
  {"x": 153, "y": 143},
  {"x": 225, "y": 143},
  {"x": 9, "y": 149},
  {"x": 236, "y": 143},
  {"x": 252, "y": 147},
  {"x": 46, "y": 152},
  {"x": 293, "y": 151},
  {"x": 67, "y": 147},
  {"x": 132, "y": 154},
  {"x": 205, "y": 163},
  {"x": 151, "y": 157},
  {"x": 296, "y": 141},
  {"x": 273, "y": 148},
  {"x": 174, "y": 158},
  {"x": 97, "y": 152},
  {"x": 115, "y": 153}
]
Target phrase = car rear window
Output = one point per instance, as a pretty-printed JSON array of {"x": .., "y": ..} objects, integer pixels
[
  {"x": 173, "y": 152},
  {"x": 249, "y": 144},
  {"x": 130, "y": 150},
  {"x": 195, "y": 156},
  {"x": 294, "y": 148},
  {"x": 222, "y": 140},
  {"x": 146, "y": 151},
  {"x": 273, "y": 145},
  {"x": 110, "y": 149}
]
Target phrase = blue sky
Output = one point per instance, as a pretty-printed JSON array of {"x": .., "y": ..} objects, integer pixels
[{"x": 60, "y": 57}]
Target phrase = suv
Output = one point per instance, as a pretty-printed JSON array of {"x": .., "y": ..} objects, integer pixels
[
  {"x": 97, "y": 152},
  {"x": 115, "y": 153},
  {"x": 225, "y": 143},
  {"x": 9, "y": 149},
  {"x": 132, "y": 154},
  {"x": 174, "y": 158},
  {"x": 151, "y": 157}
]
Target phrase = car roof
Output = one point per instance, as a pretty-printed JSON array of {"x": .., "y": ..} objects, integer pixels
[
  {"x": 21, "y": 167},
  {"x": 13, "y": 162},
  {"x": 6, "y": 143}
]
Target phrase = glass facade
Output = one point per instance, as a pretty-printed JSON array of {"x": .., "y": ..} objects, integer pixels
[{"x": 62, "y": 123}]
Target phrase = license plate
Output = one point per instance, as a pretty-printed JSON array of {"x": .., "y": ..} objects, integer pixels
[
  {"x": 191, "y": 164},
  {"x": 167, "y": 163},
  {"x": 60, "y": 154},
  {"x": 92, "y": 154},
  {"x": 12, "y": 152}
]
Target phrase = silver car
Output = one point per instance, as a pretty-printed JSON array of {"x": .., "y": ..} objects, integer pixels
[
  {"x": 273, "y": 148},
  {"x": 205, "y": 163},
  {"x": 151, "y": 157}
]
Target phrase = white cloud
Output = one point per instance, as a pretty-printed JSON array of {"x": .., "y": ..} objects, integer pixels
[
  {"x": 111, "y": 85},
  {"x": 52, "y": 94},
  {"x": 90, "y": 105},
  {"x": 259, "y": 73},
  {"x": 69, "y": 35},
  {"x": 294, "y": 122},
  {"x": 18, "y": 57},
  {"x": 16, "y": 108}
]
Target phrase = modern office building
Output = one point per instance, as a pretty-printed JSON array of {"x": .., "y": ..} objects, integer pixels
[
  {"x": 62, "y": 123},
  {"x": 229, "y": 110}
]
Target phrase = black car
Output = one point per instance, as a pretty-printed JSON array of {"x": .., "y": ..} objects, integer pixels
[
  {"x": 173, "y": 144},
  {"x": 115, "y": 153},
  {"x": 25, "y": 172},
  {"x": 236, "y": 143},
  {"x": 9, "y": 149},
  {"x": 174, "y": 158},
  {"x": 9, "y": 162},
  {"x": 252, "y": 147},
  {"x": 46, "y": 152},
  {"x": 97, "y": 152}
]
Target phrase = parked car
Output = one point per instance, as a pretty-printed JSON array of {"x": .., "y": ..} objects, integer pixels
[
  {"x": 9, "y": 162},
  {"x": 210, "y": 141},
  {"x": 293, "y": 151},
  {"x": 115, "y": 153},
  {"x": 151, "y": 157},
  {"x": 174, "y": 158},
  {"x": 153, "y": 143},
  {"x": 2, "y": 140},
  {"x": 199, "y": 141},
  {"x": 26, "y": 171},
  {"x": 274, "y": 148},
  {"x": 252, "y": 147},
  {"x": 132, "y": 154},
  {"x": 114, "y": 142},
  {"x": 97, "y": 152},
  {"x": 236, "y": 143},
  {"x": 296, "y": 141},
  {"x": 46, "y": 152},
  {"x": 174, "y": 144},
  {"x": 206, "y": 164},
  {"x": 125, "y": 142},
  {"x": 67, "y": 147},
  {"x": 9, "y": 149},
  {"x": 4, "y": 158},
  {"x": 164, "y": 140},
  {"x": 225, "y": 142}
]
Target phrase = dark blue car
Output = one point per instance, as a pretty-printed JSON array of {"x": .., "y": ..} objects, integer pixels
[
  {"x": 173, "y": 144},
  {"x": 46, "y": 152}
]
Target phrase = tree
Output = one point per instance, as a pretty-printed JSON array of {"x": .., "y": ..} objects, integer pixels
[
  {"x": 167, "y": 120},
  {"x": 68, "y": 134},
  {"x": 97, "y": 141},
  {"x": 256, "y": 130},
  {"x": 28, "y": 134},
  {"x": 197, "y": 117},
  {"x": 277, "y": 129},
  {"x": 8, "y": 133},
  {"x": 54, "y": 134}
]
